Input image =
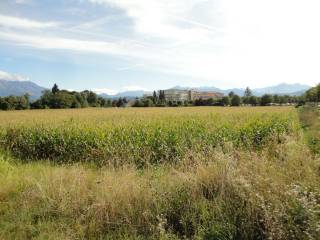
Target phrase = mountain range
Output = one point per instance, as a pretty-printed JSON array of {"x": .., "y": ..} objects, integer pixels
[
  {"x": 18, "y": 88},
  {"x": 281, "y": 89},
  {"x": 126, "y": 94}
]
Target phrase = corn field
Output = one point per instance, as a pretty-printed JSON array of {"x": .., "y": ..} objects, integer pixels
[{"x": 153, "y": 137}]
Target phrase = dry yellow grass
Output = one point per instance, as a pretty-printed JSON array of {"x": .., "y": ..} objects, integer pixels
[{"x": 223, "y": 195}]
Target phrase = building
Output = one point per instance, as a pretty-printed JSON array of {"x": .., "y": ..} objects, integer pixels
[
  {"x": 205, "y": 95},
  {"x": 176, "y": 95}
]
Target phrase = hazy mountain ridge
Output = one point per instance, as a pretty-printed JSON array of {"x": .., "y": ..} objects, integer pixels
[
  {"x": 18, "y": 88},
  {"x": 126, "y": 94},
  {"x": 281, "y": 89},
  {"x": 284, "y": 88}
]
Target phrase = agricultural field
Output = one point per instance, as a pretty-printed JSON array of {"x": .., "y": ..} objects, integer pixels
[
  {"x": 140, "y": 137},
  {"x": 160, "y": 173}
]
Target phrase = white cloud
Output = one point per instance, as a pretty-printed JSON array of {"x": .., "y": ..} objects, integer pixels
[
  {"x": 61, "y": 43},
  {"x": 123, "y": 89},
  {"x": 123, "y": 48},
  {"x": 23, "y": 23},
  {"x": 135, "y": 88},
  {"x": 131, "y": 67},
  {"x": 249, "y": 42},
  {"x": 23, "y": 1},
  {"x": 12, "y": 77},
  {"x": 162, "y": 19},
  {"x": 104, "y": 90}
]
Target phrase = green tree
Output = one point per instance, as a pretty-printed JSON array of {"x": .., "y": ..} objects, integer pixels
[
  {"x": 122, "y": 102},
  {"x": 144, "y": 102},
  {"x": 155, "y": 97},
  {"x": 313, "y": 94},
  {"x": 225, "y": 101},
  {"x": 231, "y": 94},
  {"x": 147, "y": 102},
  {"x": 253, "y": 100},
  {"x": 109, "y": 103},
  {"x": 92, "y": 99},
  {"x": 161, "y": 96},
  {"x": 55, "y": 89},
  {"x": 62, "y": 99},
  {"x": 276, "y": 98},
  {"x": 210, "y": 102},
  {"x": 137, "y": 103},
  {"x": 266, "y": 99},
  {"x": 248, "y": 92},
  {"x": 23, "y": 102},
  {"x": 4, "y": 104},
  {"x": 236, "y": 100}
]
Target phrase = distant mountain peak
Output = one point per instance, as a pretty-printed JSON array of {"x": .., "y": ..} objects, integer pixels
[
  {"x": 281, "y": 88},
  {"x": 18, "y": 88}
]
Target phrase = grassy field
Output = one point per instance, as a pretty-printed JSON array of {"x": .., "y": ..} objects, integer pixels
[{"x": 165, "y": 173}]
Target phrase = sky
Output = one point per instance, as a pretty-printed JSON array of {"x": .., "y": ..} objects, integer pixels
[{"x": 118, "y": 45}]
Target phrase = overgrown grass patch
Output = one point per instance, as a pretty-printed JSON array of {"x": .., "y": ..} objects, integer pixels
[{"x": 228, "y": 195}]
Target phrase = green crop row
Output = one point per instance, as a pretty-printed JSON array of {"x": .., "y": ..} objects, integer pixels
[{"x": 145, "y": 142}]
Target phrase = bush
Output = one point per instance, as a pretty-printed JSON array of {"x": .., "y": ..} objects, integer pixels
[{"x": 235, "y": 101}]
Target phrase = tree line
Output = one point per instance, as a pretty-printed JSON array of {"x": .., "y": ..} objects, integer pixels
[
  {"x": 59, "y": 99},
  {"x": 15, "y": 102},
  {"x": 313, "y": 94},
  {"x": 232, "y": 99}
]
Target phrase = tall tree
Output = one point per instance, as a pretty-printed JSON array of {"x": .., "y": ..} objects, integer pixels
[
  {"x": 248, "y": 92},
  {"x": 231, "y": 94},
  {"x": 161, "y": 95},
  {"x": 155, "y": 97},
  {"x": 55, "y": 89}
]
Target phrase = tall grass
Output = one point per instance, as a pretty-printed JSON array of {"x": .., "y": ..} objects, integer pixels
[
  {"x": 310, "y": 119},
  {"x": 227, "y": 195}
]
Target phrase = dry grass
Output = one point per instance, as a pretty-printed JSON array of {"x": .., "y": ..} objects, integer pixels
[
  {"x": 310, "y": 119},
  {"x": 222, "y": 196}
]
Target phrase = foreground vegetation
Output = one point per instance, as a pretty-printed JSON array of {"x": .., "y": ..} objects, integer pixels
[
  {"x": 145, "y": 137},
  {"x": 193, "y": 173}
]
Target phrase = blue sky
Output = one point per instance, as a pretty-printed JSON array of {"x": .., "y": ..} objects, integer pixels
[{"x": 116, "y": 45}]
